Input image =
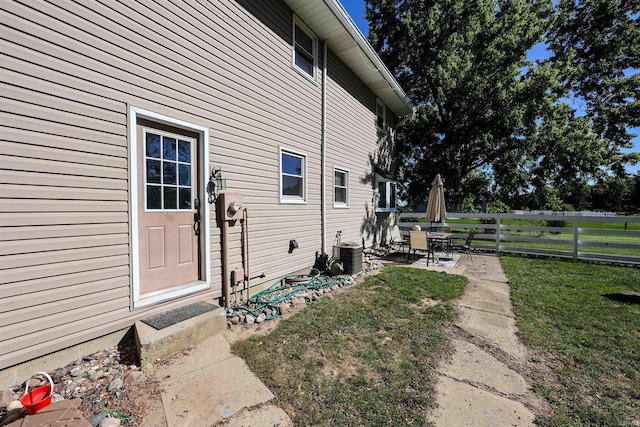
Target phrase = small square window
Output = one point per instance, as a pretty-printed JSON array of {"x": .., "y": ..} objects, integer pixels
[
  {"x": 304, "y": 49},
  {"x": 381, "y": 112},
  {"x": 293, "y": 181},
  {"x": 340, "y": 188}
]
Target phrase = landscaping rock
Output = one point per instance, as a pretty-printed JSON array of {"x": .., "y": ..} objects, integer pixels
[
  {"x": 97, "y": 419},
  {"x": 110, "y": 422},
  {"x": 116, "y": 384},
  {"x": 249, "y": 319},
  {"x": 133, "y": 376},
  {"x": 6, "y": 396}
]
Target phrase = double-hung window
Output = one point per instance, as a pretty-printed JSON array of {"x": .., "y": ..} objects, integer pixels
[
  {"x": 305, "y": 49},
  {"x": 340, "y": 188},
  {"x": 293, "y": 177},
  {"x": 381, "y": 112}
]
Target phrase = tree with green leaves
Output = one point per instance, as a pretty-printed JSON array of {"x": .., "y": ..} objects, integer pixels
[
  {"x": 485, "y": 110},
  {"x": 596, "y": 45},
  {"x": 465, "y": 67}
]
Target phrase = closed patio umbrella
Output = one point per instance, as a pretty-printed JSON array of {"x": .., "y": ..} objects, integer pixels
[{"x": 436, "y": 208}]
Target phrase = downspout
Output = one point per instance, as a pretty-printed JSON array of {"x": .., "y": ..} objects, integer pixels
[{"x": 323, "y": 148}]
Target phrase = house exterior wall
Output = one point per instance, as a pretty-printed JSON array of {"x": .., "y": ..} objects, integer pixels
[
  {"x": 69, "y": 71},
  {"x": 354, "y": 144}
]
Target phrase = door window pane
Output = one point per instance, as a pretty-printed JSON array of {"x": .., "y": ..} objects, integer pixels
[
  {"x": 170, "y": 197},
  {"x": 169, "y": 173},
  {"x": 185, "y": 198},
  {"x": 154, "y": 197},
  {"x": 153, "y": 171},
  {"x": 184, "y": 151},
  {"x": 168, "y": 148},
  {"x": 153, "y": 145},
  {"x": 184, "y": 174}
]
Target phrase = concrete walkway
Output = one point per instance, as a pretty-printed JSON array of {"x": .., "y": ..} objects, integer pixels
[
  {"x": 477, "y": 385},
  {"x": 207, "y": 386}
]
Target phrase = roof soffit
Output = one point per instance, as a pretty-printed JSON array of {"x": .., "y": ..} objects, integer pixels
[{"x": 328, "y": 20}]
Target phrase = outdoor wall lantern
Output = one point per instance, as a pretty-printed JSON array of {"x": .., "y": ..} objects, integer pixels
[
  {"x": 217, "y": 183},
  {"x": 292, "y": 245}
]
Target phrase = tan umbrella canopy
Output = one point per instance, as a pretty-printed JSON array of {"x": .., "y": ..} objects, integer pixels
[{"x": 436, "y": 208}]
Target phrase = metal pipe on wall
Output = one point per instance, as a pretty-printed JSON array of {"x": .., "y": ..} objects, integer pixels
[
  {"x": 323, "y": 149},
  {"x": 226, "y": 274},
  {"x": 245, "y": 252}
]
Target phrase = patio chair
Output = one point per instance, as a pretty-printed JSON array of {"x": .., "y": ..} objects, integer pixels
[
  {"x": 466, "y": 247},
  {"x": 397, "y": 238},
  {"x": 418, "y": 241}
]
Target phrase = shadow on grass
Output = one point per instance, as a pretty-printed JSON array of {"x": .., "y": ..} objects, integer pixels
[{"x": 631, "y": 298}]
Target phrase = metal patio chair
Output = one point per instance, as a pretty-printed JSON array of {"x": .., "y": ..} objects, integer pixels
[
  {"x": 466, "y": 247},
  {"x": 418, "y": 241},
  {"x": 397, "y": 238}
]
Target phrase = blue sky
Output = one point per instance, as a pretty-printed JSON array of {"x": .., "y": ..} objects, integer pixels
[{"x": 356, "y": 10}]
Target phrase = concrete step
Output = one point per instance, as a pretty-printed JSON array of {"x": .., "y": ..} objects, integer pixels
[{"x": 153, "y": 344}]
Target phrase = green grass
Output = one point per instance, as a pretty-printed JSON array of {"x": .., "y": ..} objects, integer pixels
[
  {"x": 585, "y": 320},
  {"x": 362, "y": 358}
]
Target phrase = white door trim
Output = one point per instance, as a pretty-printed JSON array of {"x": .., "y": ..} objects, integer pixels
[{"x": 205, "y": 244}]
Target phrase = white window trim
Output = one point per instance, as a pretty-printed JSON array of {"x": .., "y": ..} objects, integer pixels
[
  {"x": 297, "y": 21},
  {"x": 293, "y": 199},
  {"x": 203, "y": 139},
  {"x": 340, "y": 205},
  {"x": 384, "y": 116}
]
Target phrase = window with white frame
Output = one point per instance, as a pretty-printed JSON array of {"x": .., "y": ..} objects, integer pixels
[
  {"x": 340, "y": 188},
  {"x": 293, "y": 177},
  {"x": 381, "y": 113},
  {"x": 305, "y": 48},
  {"x": 387, "y": 197}
]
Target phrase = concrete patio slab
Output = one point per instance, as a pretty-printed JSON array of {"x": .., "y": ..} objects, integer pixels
[{"x": 461, "y": 405}]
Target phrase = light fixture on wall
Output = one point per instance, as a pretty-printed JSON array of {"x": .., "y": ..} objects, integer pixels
[{"x": 217, "y": 183}]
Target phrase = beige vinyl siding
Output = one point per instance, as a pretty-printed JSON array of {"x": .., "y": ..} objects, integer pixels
[
  {"x": 68, "y": 73},
  {"x": 352, "y": 141}
]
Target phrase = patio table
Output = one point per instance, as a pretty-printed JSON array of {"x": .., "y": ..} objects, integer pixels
[{"x": 436, "y": 239}]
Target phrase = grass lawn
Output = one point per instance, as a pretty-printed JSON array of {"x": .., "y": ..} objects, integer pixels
[
  {"x": 363, "y": 357},
  {"x": 585, "y": 319}
]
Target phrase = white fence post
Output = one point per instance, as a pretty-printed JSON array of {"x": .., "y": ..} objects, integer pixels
[
  {"x": 498, "y": 235},
  {"x": 575, "y": 239}
]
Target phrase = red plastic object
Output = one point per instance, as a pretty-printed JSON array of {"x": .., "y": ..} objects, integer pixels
[{"x": 39, "y": 397}]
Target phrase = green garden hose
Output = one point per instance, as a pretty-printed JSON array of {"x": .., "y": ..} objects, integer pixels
[{"x": 283, "y": 289}]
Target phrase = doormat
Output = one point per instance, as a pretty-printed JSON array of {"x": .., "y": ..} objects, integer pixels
[{"x": 169, "y": 318}]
